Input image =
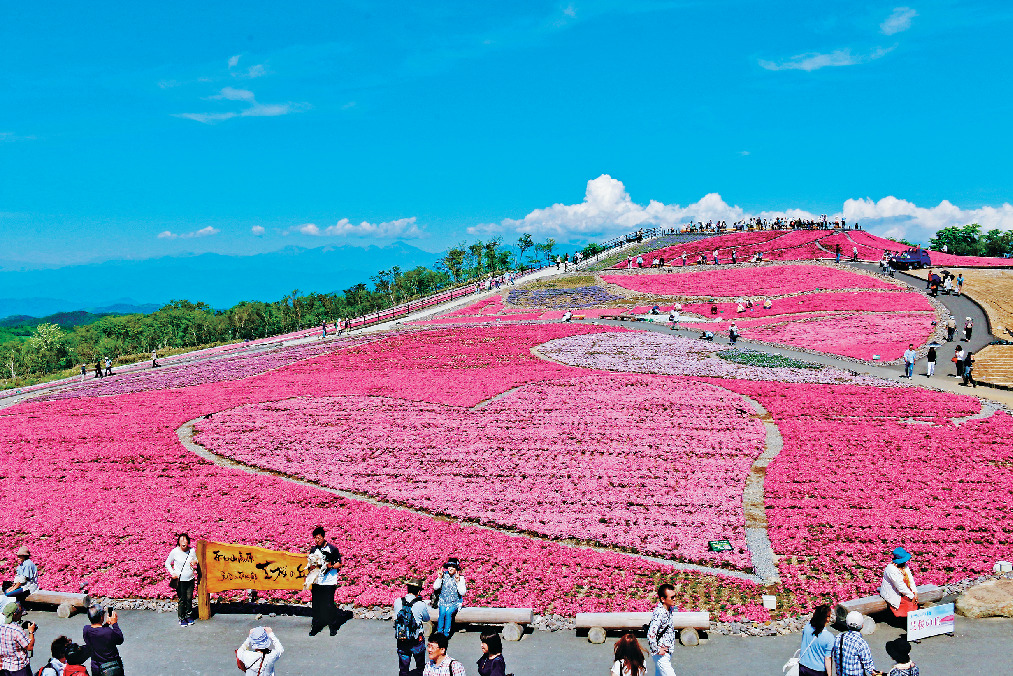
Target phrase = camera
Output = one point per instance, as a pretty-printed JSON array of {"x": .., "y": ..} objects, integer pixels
[{"x": 25, "y": 624}]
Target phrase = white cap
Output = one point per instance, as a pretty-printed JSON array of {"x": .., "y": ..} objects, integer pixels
[{"x": 855, "y": 620}]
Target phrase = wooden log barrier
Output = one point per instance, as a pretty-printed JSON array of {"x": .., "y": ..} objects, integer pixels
[
  {"x": 597, "y": 624},
  {"x": 66, "y": 603},
  {"x": 868, "y": 605},
  {"x": 512, "y": 619}
]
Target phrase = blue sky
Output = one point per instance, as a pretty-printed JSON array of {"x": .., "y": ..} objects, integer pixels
[{"x": 132, "y": 130}]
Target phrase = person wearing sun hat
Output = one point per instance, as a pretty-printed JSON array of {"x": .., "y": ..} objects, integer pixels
[
  {"x": 899, "y": 589},
  {"x": 16, "y": 642},
  {"x": 451, "y": 587},
  {"x": 26, "y": 577},
  {"x": 259, "y": 652}
]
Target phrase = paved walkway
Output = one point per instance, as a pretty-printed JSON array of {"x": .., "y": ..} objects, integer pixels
[{"x": 156, "y": 646}]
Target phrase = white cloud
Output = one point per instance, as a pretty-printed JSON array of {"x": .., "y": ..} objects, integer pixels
[
  {"x": 233, "y": 94},
  {"x": 607, "y": 210},
  {"x": 402, "y": 228},
  {"x": 234, "y": 60},
  {"x": 203, "y": 232},
  {"x": 744, "y": 153},
  {"x": 256, "y": 71},
  {"x": 814, "y": 61},
  {"x": 11, "y": 137},
  {"x": 257, "y": 230},
  {"x": 899, "y": 21},
  {"x": 898, "y": 218},
  {"x": 255, "y": 109}
]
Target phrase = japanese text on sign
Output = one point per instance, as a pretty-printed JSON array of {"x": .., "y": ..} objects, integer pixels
[
  {"x": 237, "y": 567},
  {"x": 930, "y": 622}
]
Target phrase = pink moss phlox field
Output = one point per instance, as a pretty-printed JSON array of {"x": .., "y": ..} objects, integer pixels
[
  {"x": 781, "y": 245},
  {"x": 843, "y": 301},
  {"x": 859, "y": 336},
  {"x": 865, "y": 470},
  {"x": 228, "y": 367},
  {"x": 556, "y": 459},
  {"x": 652, "y": 352},
  {"x": 774, "y": 280},
  {"x": 99, "y": 487}
]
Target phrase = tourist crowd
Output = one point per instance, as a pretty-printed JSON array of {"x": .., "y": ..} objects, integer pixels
[{"x": 820, "y": 653}]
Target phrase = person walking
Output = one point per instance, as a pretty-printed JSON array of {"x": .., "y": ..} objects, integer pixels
[
  {"x": 661, "y": 633},
  {"x": 930, "y": 362},
  {"x": 733, "y": 334},
  {"x": 84, "y": 371},
  {"x": 260, "y": 652},
  {"x": 968, "y": 328},
  {"x": 98, "y": 368},
  {"x": 492, "y": 663},
  {"x": 951, "y": 328},
  {"x": 109, "y": 366},
  {"x": 16, "y": 642},
  {"x": 452, "y": 587},
  {"x": 960, "y": 283},
  {"x": 441, "y": 664},
  {"x": 851, "y": 655},
  {"x": 410, "y": 616},
  {"x": 817, "y": 642},
  {"x": 325, "y": 612},
  {"x": 102, "y": 636},
  {"x": 968, "y": 368},
  {"x": 154, "y": 359},
  {"x": 182, "y": 566},
  {"x": 958, "y": 361},
  {"x": 629, "y": 657},
  {"x": 909, "y": 360},
  {"x": 837, "y": 253}
]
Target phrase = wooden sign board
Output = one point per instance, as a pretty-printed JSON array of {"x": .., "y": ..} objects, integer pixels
[{"x": 226, "y": 566}]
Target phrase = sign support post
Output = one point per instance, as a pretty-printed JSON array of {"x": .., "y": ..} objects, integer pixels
[{"x": 203, "y": 597}]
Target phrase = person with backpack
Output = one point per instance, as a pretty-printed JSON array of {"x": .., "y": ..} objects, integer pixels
[
  {"x": 817, "y": 642},
  {"x": 410, "y": 616},
  {"x": 58, "y": 661},
  {"x": 851, "y": 655},
  {"x": 77, "y": 655},
  {"x": 440, "y": 663},
  {"x": 259, "y": 653}
]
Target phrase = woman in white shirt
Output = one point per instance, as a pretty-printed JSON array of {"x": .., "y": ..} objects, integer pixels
[
  {"x": 182, "y": 566},
  {"x": 629, "y": 657},
  {"x": 260, "y": 651},
  {"x": 899, "y": 589}
]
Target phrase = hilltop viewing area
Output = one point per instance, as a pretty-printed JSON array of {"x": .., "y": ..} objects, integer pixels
[
  {"x": 506, "y": 339},
  {"x": 655, "y": 413}
]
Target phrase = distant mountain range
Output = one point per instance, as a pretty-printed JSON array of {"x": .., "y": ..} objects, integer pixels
[{"x": 122, "y": 286}]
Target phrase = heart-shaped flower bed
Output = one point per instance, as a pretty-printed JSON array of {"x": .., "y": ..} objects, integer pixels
[{"x": 649, "y": 464}]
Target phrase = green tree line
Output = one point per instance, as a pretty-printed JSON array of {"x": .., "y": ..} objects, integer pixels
[
  {"x": 969, "y": 241},
  {"x": 49, "y": 349}
]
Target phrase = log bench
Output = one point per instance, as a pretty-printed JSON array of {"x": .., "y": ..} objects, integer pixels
[
  {"x": 868, "y": 605},
  {"x": 597, "y": 624},
  {"x": 66, "y": 603},
  {"x": 512, "y": 619}
]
